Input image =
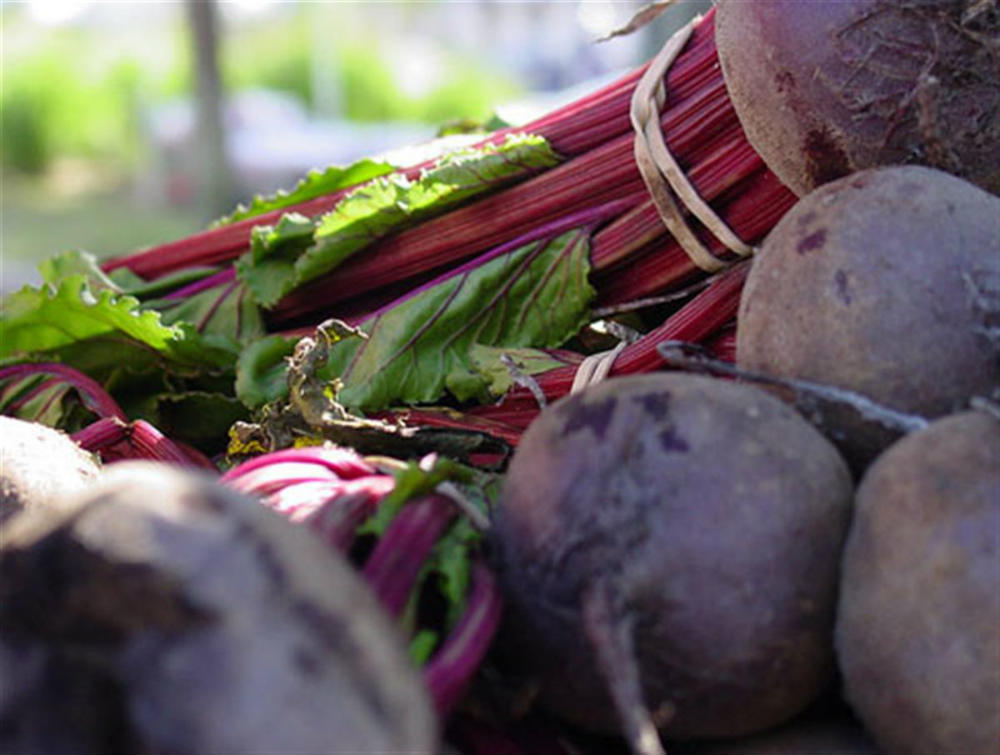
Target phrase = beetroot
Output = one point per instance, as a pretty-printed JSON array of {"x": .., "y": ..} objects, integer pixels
[
  {"x": 886, "y": 283},
  {"x": 669, "y": 546},
  {"x": 919, "y": 612},
  {"x": 828, "y": 87},
  {"x": 163, "y": 612},
  {"x": 826, "y": 730},
  {"x": 40, "y": 465}
]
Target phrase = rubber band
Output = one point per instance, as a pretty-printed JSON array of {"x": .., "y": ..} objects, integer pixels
[
  {"x": 660, "y": 171},
  {"x": 595, "y": 368},
  {"x": 666, "y": 182}
]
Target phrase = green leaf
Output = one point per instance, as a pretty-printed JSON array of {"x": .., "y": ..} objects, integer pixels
[
  {"x": 269, "y": 266},
  {"x": 226, "y": 310},
  {"x": 315, "y": 184},
  {"x": 58, "y": 267},
  {"x": 451, "y": 560},
  {"x": 134, "y": 285},
  {"x": 273, "y": 240},
  {"x": 373, "y": 210},
  {"x": 281, "y": 260},
  {"x": 413, "y": 480},
  {"x": 201, "y": 418},
  {"x": 452, "y": 556},
  {"x": 261, "y": 371},
  {"x": 36, "y": 320},
  {"x": 422, "y": 645},
  {"x": 489, "y": 361},
  {"x": 99, "y": 332},
  {"x": 535, "y": 296}
]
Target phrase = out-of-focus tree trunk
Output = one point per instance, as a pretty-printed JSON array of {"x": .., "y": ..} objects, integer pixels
[{"x": 214, "y": 177}]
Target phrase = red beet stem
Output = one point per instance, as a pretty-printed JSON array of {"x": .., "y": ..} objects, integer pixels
[
  {"x": 94, "y": 397},
  {"x": 339, "y": 517},
  {"x": 342, "y": 463},
  {"x": 394, "y": 565},
  {"x": 452, "y": 667}
]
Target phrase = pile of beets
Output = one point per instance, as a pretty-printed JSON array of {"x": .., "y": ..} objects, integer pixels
[{"x": 798, "y": 553}]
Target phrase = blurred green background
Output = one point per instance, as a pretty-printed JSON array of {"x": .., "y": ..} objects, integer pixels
[{"x": 98, "y": 112}]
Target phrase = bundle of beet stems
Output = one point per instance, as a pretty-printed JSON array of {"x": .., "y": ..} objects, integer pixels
[{"x": 596, "y": 186}]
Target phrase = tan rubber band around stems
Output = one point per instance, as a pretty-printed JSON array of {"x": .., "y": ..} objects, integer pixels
[
  {"x": 661, "y": 173},
  {"x": 595, "y": 368},
  {"x": 664, "y": 180}
]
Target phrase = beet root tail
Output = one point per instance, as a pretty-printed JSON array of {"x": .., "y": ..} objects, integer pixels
[{"x": 609, "y": 630}]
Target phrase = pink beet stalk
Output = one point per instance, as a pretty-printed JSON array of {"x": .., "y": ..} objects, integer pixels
[
  {"x": 281, "y": 475},
  {"x": 346, "y": 506},
  {"x": 94, "y": 397},
  {"x": 116, "y": 440},
  {"x": 394, "y": 565},
  {"x": 331, "y": 462},
  {"x": 101, "y": 435},
  {"x": 330, "y": 488},
  {"x": 452, "y": 667}
]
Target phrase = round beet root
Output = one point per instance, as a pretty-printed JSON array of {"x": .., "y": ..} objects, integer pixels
[
  {"x": 40, "y": 466},
  {"x": 828, "y": 87},
  {"x": 166, "y": 613},
  {"x": 669, "y": 545},
  {"x": 825, "y": 731},
  {"x": 886, "y": 283},
  {"x": 919, "y": 612}
]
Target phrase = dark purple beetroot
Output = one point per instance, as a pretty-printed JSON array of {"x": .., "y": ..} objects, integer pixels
[
  {"x": 886, "y": 283},
  {"x": 827, "y": 87},
  {"x": 918, "y": 626},
  {"x": 669, "y": 546},
  {"x": 827, "y": 730},
  {"x": 165, "y": 613}
]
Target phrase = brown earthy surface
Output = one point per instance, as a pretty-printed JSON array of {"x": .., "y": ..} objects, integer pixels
[
  {"x": 169, "y": 614},
  {"x": 824, "y": 89},
  {"x": 714, "y": 512},
  {"x": 920, "y": 606},
  {"x": 886, "y": 283},
  {"x": 38, "y": 465}
]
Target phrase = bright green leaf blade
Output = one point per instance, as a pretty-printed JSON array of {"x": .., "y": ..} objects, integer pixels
[
  {"x": 37, "y": 320},
  {"x": 269, "y": 267},
  {"x": 280, "y": 261},
  {"x": 58, "y": 267},
  {"x": 268, "y": 240},
  {"x": 422, "y": 645},
  {"x": 316, "y": 184},
  {"x": 489, "y": 361},
  {"x": 383, "y": 206},
  {"x": 102, "y": 332},
  {"x": 226, "y": 311},
  {"x": 261, "y": 375},
  {"x": 536, "y": 296}
]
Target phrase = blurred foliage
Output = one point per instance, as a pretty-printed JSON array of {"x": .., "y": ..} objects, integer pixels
[
  {"x": 67, "y": 96},
  {"x": 53, "y": 106},
  {"x": 272, "y": 56},
  {"x": 76, "y": 102},
  {"x": 369, "y": 88},
  {"x": 42, "y": 217}
]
